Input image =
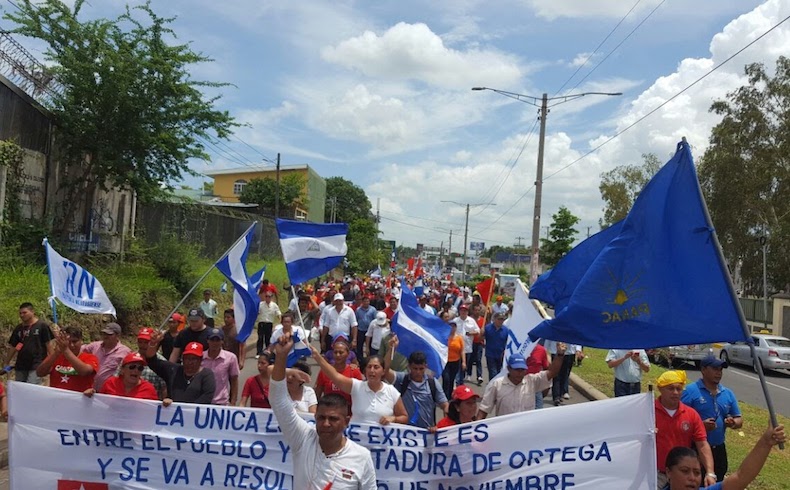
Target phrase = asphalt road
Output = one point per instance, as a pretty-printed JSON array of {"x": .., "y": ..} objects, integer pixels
[{"x": 743, "y": 381}]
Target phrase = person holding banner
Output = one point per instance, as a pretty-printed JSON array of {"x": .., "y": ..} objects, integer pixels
[
  {"x": 129, "y": 382},
  {"x": 684, "y": 471},
  {"x": 515, "y": 392},
  {"x": 463, "y": 408},
  {"x": 30, "y": 342},
  {"x": 323, "y": 457},
  {"x": 67, "y": 367},
  {"x": 378, "y": 402}
]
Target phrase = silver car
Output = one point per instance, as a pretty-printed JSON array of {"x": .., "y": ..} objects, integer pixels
[{"x": 773, "y": 351}]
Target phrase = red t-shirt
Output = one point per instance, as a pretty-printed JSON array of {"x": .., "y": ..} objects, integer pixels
[
  {"x": 258, "y": 393},
  {"x": 64, "y": 376},
  {"x": 537, "y": 361},
  {"x": 390, "y": 312},
  {"x": 329, "y": 387},
  {"x": 445, "y": 422},
  {"x": 144, "y": 389},
  {"x": 682, "y": 429}
]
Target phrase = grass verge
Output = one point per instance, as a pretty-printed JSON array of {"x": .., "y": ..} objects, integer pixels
[{"x": 774, "y": 475}]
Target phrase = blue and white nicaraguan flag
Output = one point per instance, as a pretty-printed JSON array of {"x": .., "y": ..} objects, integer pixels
[
  {"x": 74, "y": 286},
  {"x": 245, "y": 292},
  {"x": 311, "y": 249},
  {"x": 418, "y": 330}
]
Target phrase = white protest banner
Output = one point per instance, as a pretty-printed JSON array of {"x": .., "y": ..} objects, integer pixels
[
  {"x": 113, "y": 442},
  {"x": 74, "y": 286}
]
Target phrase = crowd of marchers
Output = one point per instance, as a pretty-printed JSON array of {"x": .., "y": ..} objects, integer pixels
[{"x": 346, "y": 326}]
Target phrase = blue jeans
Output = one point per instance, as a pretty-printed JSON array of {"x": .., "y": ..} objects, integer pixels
[
  {"x": 560, "y": 384},
  {"x": 494, "y": 366},
  {"x": 27, "y": 377},
  {"x": 538, "y": 400},
  {"x": 621, "y": 388}
]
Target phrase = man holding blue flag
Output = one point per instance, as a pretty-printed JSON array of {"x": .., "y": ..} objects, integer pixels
[
  {"x": 233, "y": 266},
  {"x": 418, "y": 330}
]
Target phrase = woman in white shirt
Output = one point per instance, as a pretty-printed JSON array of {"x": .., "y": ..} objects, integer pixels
[
  {"x": 302, "y": 395},
  {"x": 374, "y": 401}
]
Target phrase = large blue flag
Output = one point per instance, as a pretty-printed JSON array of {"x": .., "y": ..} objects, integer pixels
[
  {"x": 556, "y": 286},
  {"x": 660, "y": 281},
  {"x": 311, "y": 249},
  {"x": 245, "y": 292},
  {"x": 418, "y": 330}
]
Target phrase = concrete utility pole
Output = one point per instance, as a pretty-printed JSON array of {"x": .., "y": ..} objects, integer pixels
[
  {"x": 588, "y": 231},
  {"x": 544, "y": 111},
  {"x": 277, "y": 189},
  {"x": 450, "y": 249},
  {"x": 547, "y": 231},
  {"x": 466, "y": 229},
  {"x": 518, "y": 241}
]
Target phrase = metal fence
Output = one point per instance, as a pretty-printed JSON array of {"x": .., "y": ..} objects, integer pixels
[
  {"x": 754, "y": 310},
  {"x": 213, "y": 229}
]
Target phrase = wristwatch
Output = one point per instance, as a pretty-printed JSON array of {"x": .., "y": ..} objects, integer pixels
[{"x": 712, "y": 475}]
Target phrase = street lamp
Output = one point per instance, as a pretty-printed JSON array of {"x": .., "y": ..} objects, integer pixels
[
  {"x": 466, "y": 227},
  {"x": 544, "y": 111}
]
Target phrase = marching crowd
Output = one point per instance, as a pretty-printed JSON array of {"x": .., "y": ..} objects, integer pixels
[{"x": 364, "y": 379}]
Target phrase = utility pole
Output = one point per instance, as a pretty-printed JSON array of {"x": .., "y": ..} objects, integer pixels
[
  {"x": 277, "y": 189},
  {"x": 466, "y": 229},
  {"x": 547, "y": 231},
  {"x": 450, "y": 250},
  {"x": 378, "y": 219},
  {"x": 588, "y": 231},
  {"x": 764, "y": 242},
  {"x": 544, "y": 111},
  {"x": 441, "y": 253},
  {"x": 518, "y": 241}
]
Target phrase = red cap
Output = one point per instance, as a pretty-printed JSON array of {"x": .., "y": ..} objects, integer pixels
[
  {"x": 133, "y": 357},
  {"x": 193, "y": 349},
  {"x": 463, "y": 392},
  {"x": 145, "y": 333},
  {"x": 463, "y": 307}
]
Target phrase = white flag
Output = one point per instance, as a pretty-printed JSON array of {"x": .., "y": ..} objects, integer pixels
[{"x": 74, "y": 286}]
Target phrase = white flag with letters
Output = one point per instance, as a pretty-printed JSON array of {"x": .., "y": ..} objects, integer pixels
[{"x": 74, "y": 286}]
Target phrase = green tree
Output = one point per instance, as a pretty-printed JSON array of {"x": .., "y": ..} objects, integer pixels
[
  {"x": 263, "y": 191},
  {"x": 130, "y": 114},
  {"x": 744, "y": 175},
  {"x": 348, "y": 199},
  {"x": 363, "y": 253},
  {"x": 562, "y": 234},
  {"x": 208, "y": 187},
  {"x": 620, "y": 186}
]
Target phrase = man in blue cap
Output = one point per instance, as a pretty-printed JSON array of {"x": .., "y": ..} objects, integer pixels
[
  {"x": 515, "y": 392},
  {"x": 718, "y": 409}
]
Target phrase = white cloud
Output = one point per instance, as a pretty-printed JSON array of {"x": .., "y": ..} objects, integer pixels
[
  {"x": 414, "y": 52},
  {"x": 586, "y": 8},
  {"x": 582, "y": 59}
]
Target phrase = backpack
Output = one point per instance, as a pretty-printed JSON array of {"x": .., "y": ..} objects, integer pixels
[{"x": 404, "y": 385}]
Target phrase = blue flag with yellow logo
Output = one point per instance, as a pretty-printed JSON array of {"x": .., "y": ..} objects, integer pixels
[
  {"x": 556, "y": 286},
  {"x": 659, "y": 281}
]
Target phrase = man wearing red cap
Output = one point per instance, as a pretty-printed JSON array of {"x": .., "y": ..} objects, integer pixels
[
  {"x": 187, "y": 382},
  {"x": 129, "y": 383},
  {"x": 68, "y": 368},
  {"x": 143, "y": 339}
]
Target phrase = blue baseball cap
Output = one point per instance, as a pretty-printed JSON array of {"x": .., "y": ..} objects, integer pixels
[
  {"x": 711, "y": 361},
  {"x": 517, "y": 361}
]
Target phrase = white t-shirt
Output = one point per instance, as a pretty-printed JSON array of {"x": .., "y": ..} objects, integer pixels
[
  {"x": 376, "y": 333},
  {"x": 350, "y": 468},
  {"x": 297, "y": 330},
  {"x": 308, "y": 400},
  {"x": 468, "y": 328},
  {"x": 370, "y": 406}
]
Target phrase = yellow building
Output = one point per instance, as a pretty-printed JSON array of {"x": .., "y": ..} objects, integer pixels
[{"x": 229, "y": 183}]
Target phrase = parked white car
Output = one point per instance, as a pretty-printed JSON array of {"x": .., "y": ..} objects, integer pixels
[{"x": 773, "y": 351}]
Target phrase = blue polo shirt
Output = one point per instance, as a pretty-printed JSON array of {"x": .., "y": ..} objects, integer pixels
[
  {"x": 496, "y": 340},
  {"x": 364, "y": 317},
  {"x": 721, "y": 406}
]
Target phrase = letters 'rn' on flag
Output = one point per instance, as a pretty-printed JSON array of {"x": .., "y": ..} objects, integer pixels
[
  {"x": 245, "y": 294},
  {"x": 74, "y": 286},
  {"x": 660, "y": 281},
  {"x": 418, "y": 330},
  {"x": 311, "y": 249}
]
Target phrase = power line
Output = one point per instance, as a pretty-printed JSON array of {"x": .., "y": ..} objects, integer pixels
[
  {"x": 265, "y": 158},
  {"x": 597, "y": 47}
]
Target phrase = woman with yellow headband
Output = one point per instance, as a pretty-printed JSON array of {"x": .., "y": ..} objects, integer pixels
[{"x": 678, "y": 425}]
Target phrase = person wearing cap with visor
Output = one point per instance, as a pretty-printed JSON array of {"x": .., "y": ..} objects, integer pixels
[
  {"x": 463, "y": 407},
  {"x": 467, "y": 326},
  {"x": 377, "y": 330},
  {"x": 197, "y": 332},
  {"x": 129, "y": 382},
  {"x": 678, "y": 425},
  {"x": 225, "y": 367},
  {"x": 515, "y": 392},
  {"x": 718, "y": 408},
  {"x": 110, "y": 352},
  {"x": 143, "y": 339},
  {"x": 499, "y": 306},
  {"x": 188, "y": 382},
  {"x": 339, "y": 319}
]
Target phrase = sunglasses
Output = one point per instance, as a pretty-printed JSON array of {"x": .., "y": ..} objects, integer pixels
[{"x": 135, "y": 367}]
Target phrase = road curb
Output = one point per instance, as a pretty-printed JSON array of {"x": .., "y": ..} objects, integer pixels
[{"x": 585, "y": 388}]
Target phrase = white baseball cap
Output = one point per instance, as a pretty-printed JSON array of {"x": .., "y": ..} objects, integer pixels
[{"x": 338, "y": 296}]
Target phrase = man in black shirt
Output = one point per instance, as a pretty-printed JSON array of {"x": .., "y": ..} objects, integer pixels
[
  {"x": 187, "y": 383},
  {"x": 30, "y": 342},
  {"x": 195, "y": 332}
]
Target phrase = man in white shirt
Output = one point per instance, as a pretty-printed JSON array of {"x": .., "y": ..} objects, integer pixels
[
  {"x": 468, "y": 328},
  {"x": 336, "y": 320},
  {"x": 516, "y": 392},
  {"x": 209, "y": 307},
  {"x": 499, "y": 307},
  {"x": 268, "y": 315},
  {"x": 323, "y": 457}
]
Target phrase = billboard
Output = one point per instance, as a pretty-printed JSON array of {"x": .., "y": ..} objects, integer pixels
[{"x": 477, "y": 246}]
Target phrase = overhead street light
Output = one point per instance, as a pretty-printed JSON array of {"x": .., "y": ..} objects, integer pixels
[{"x": 544, "y": 111}]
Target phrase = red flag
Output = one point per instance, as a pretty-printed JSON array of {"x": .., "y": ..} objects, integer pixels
[
  {"x": 81, "y": 485},
  {"x": 485, "y": 288},
  {"x": 418, "y": 272},
  {"x": 410, "y": 264}
]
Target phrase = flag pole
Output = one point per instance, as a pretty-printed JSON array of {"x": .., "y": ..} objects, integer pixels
[
  {"x": 741, "y": 317},
  {"x": 52, "y": 303},
  {"x": 203, "y": 277}
]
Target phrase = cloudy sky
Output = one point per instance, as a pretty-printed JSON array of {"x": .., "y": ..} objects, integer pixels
[{"x": 379, "y": 93}]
